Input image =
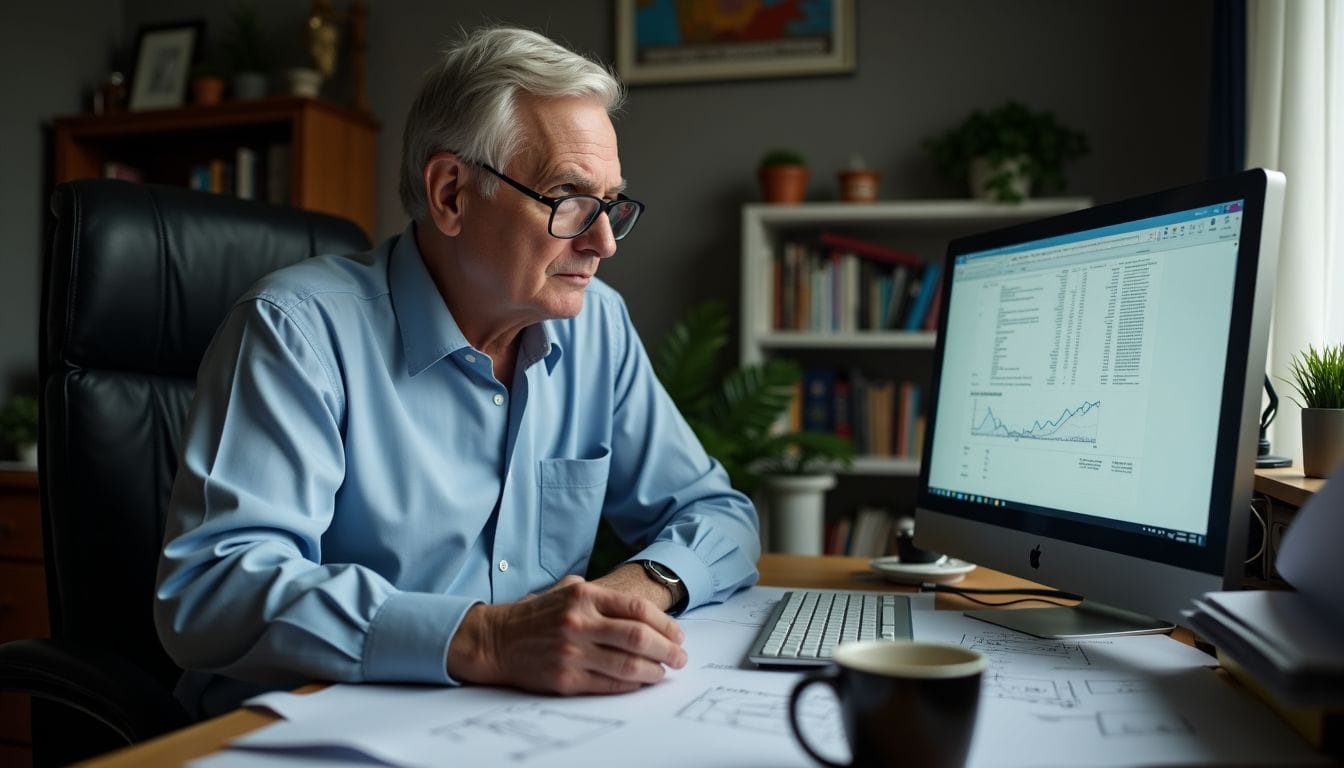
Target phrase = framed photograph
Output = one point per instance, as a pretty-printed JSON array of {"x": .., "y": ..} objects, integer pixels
[
  {"x": 663, "y": 41},
  {"x": 163, "y": 58}
]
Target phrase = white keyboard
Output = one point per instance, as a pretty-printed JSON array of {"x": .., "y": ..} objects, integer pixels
[{"x": 806, "y": 626}]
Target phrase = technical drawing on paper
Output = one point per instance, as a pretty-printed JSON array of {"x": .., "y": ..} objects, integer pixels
[
  {"x": 764, "y": 712},
  {"x": 1135, "y": 723},
  {"x": 1111, "y": 687},
  {"x": 524, "y": 731},
  {"x": 1142, "y": 724},
  {"x": 1003, "y": 646},
  {"x": 751, "y": 611},
  {"x": 1032, "y": 690}
]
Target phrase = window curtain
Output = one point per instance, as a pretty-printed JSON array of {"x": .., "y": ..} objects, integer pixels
[{"x": 1295, "y": 124}]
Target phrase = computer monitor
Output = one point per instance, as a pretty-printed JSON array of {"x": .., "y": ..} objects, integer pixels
[{"x": 1093, "y": 416}]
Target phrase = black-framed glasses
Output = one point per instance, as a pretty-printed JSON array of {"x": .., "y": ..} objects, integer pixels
[{"x": 572, "y": 215}]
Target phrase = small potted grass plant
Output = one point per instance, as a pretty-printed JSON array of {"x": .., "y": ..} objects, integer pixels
[
  {"x": 1318, "y": 377},
  {"x": 783, "y": 175}
]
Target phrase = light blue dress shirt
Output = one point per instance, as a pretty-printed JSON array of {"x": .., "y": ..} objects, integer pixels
[{"x": 353, "y": 479}]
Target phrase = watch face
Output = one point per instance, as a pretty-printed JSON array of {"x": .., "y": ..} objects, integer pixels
[{"x": 661, "y": 571}]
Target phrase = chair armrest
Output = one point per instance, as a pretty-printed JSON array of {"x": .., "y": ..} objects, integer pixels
[{"x": 95, "y": 681}]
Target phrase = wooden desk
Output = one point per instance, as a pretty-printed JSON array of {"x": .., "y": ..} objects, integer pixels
[
  {"x": 1287, "y": 484},
  {"x": 776, "y": 570}
]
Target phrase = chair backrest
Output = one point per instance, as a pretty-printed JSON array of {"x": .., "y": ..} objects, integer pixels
[{"x": 138, "y": 279}]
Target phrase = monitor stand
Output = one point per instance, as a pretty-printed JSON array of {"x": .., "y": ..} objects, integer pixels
[{"x": 1087, "y": 619}]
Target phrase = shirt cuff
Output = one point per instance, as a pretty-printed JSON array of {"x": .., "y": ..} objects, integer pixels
[{"x": 409, "y": 637}]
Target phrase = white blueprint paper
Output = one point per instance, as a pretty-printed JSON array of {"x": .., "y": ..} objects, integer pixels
[{"x": 1121, "y": 701}]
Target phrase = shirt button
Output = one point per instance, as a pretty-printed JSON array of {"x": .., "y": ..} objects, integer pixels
[
  {"x": 503, "y": 565},
  {"x": 470, "y": 358},
  {"x": 499, "y": 399}
]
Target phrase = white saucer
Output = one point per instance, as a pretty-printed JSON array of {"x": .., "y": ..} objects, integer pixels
[{"x": 948, "y": 571}]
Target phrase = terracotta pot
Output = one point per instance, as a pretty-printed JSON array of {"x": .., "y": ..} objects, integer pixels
[
  {"x": 858, "y": 185},
  {"x": 207, "y": 90},
  {"x": 783, "y": 183}
]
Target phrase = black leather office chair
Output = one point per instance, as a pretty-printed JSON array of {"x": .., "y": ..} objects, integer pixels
[{"x": 137, "y": 280}]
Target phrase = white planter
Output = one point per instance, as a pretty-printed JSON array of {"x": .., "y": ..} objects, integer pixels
[
  {"x": 1322, "y": 441},
  {"x": 981, "y": 171},
  {"x": 796, "y": 506},
  {"x": 304, "y": 82}
]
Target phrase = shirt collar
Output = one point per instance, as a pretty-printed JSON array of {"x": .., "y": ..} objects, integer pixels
[{"x": 428, "y": 331}]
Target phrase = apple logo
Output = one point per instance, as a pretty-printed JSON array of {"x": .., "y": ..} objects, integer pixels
[{"x": 1036, "y": 557}]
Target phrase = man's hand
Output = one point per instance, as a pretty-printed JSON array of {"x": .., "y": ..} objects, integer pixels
[{"x": 578, "y": 637}]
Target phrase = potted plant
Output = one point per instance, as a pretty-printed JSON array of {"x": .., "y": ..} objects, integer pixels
[
  {"x": 1318, "y": 377},
  {"x": 207, "y": 82},
  {"x": 783, "y": 176},
  {"x": 736, "y": 416},
  {"x": 18, "y": 427},
  {"x": 1008, "y": 152},
  {"x": 248, "y": 52}
]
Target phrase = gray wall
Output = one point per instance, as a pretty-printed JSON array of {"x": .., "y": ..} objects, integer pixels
[
  {"x": 52, "y": 54},
  {"x": 1132, "y": 74}
]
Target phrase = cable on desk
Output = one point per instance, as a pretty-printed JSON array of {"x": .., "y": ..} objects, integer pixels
[
  {"x": 1264, "y": 533},
  {"x": 1034, "y": 595}
]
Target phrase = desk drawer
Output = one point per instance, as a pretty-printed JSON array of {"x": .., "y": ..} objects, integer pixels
[
  {"x": 23, "y": 601},
  {"x": 20, "y": 524},
  {"x": 15, "y": 721}
]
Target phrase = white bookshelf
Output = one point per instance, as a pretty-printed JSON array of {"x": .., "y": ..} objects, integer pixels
[{"x": 923, "y": 226}]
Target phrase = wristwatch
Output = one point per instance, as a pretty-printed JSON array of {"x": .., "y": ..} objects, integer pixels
[{"x": 664, "y": 575}]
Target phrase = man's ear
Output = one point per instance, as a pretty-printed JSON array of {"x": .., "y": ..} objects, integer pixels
[{"x": 445, "y": 179}]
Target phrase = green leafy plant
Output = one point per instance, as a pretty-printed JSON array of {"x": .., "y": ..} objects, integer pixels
[
  {"x": 245, "y": 46},
  {"x": 18, "y": 421},
  {"x": 1005, "y": 135},
  {"x": 735, "y": 414},
  {"x": 782, "y": 156},
  {"x": 1318, "y": 377}
]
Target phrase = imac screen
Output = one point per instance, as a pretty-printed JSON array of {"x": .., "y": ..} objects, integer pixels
[{"x": 1090, "y": 386}]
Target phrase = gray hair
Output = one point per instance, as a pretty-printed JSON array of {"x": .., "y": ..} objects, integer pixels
[{"x": 467, "y": 102}]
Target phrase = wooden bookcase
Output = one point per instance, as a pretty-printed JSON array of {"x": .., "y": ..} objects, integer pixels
[
  {"x": 23, "y": 594},
  {"x": 331, "y": 149},
  {"x": 921, "y": 227}
]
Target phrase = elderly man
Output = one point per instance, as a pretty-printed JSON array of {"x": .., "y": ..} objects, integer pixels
[{"x": 396, "y": 462}]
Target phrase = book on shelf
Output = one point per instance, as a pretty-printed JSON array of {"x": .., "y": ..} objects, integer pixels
[
  {"x": 929, "y": 283},
  {"x": 198, "y": 178},
  {"x": 869, "y": 250},
  {"x": 245, "y": 169},
  {"x": 114, "y": 169},
  {"x": 278, "y": 173},
  {"x": 818, "y": 399},
  {"x": 221, "y": 176},
  {"x": 840, "y": 292},
  {"x": 841, "y": 412}
]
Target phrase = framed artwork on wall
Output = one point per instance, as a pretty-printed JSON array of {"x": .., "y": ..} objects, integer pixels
[
  {"x": 163, "y": 57},
  {"x": 664, "y": 41}
]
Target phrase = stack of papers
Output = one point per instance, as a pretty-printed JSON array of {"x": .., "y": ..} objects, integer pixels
[
  {"x": 1291, "y": 641},
  {"x": 1280, "y": 639}
]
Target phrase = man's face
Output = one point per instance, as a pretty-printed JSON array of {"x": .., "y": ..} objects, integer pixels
[{"x": 517, "y": 271}]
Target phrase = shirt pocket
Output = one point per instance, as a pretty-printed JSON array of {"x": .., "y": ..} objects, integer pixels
[{"x": 572, "y": 491}]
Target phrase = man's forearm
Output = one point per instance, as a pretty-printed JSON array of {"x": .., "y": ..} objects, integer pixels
[{"x": 631, "y": 578}]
